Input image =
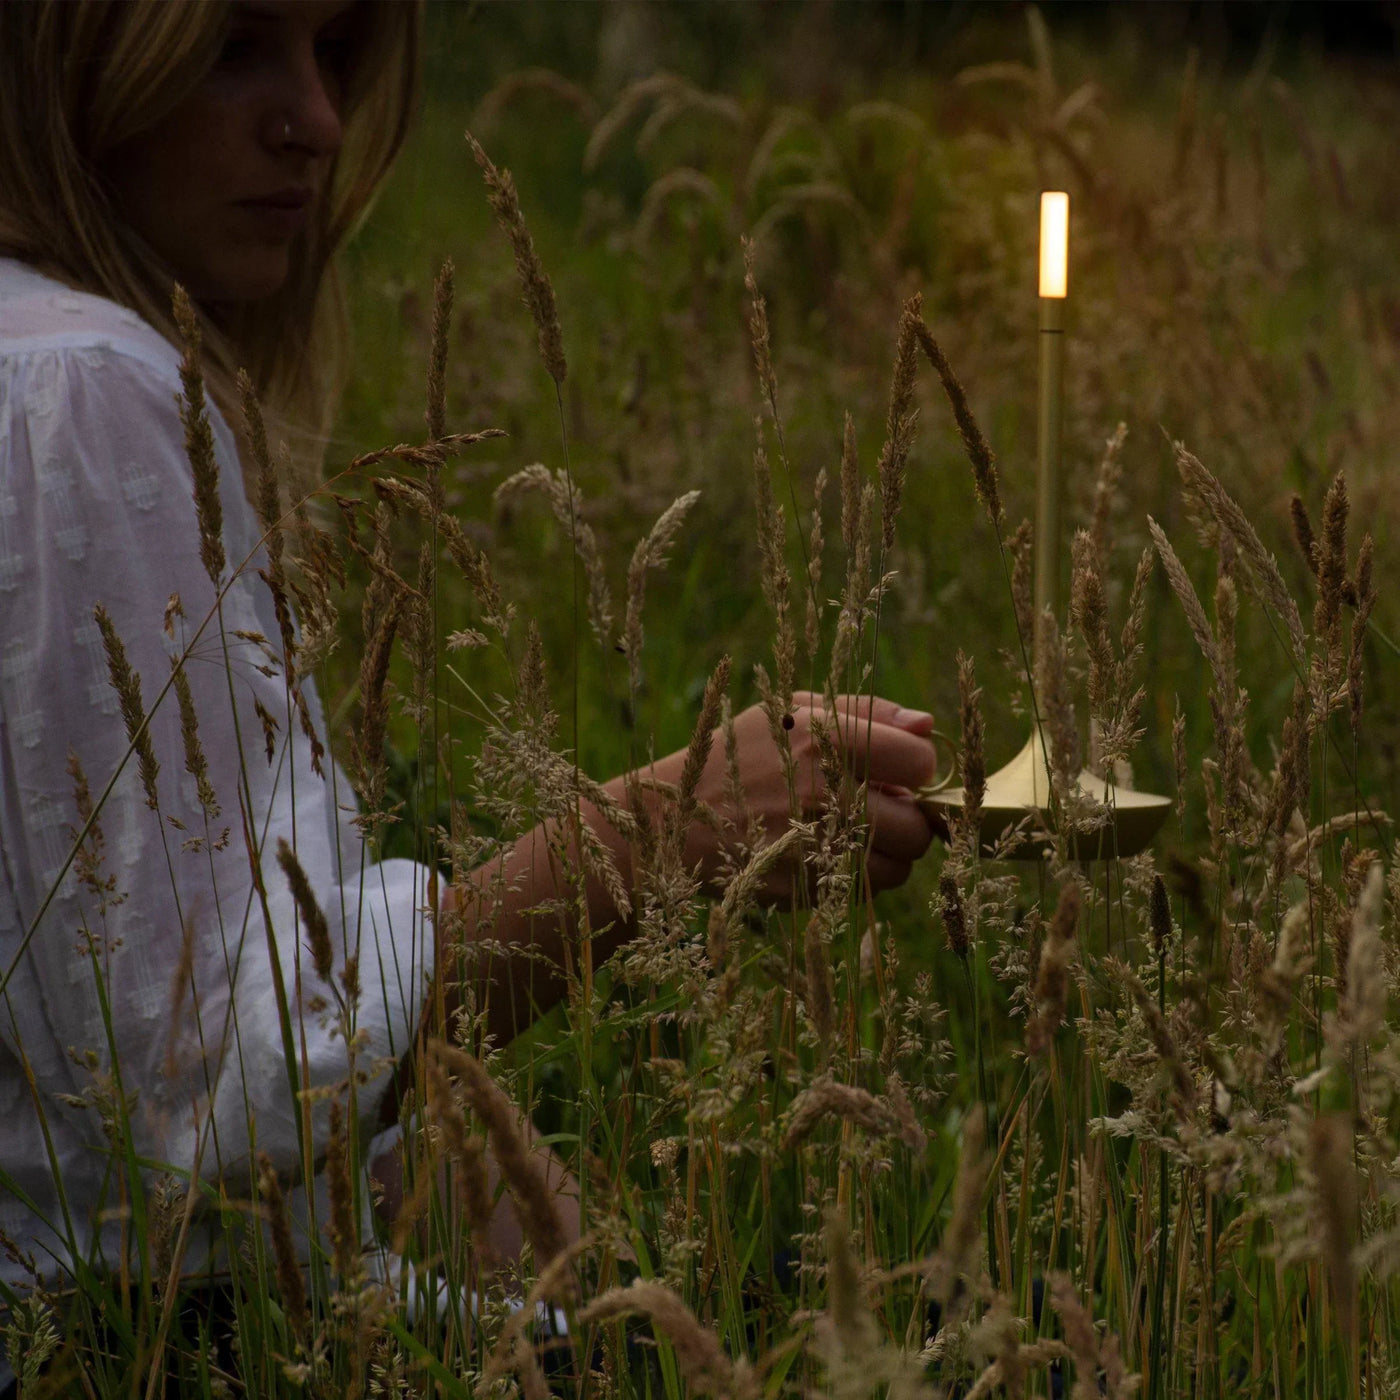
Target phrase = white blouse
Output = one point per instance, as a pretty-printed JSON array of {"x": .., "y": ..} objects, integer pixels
[{"x": 96, "y": 506}]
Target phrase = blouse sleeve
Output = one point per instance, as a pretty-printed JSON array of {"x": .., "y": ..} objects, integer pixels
[{"x": 172, "y": 937}]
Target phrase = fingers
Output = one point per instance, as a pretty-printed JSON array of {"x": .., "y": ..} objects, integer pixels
[
  {"x": 867, "y": 707},
  {"x": 883, "y": 742},
  {"x": 898, "y": 828}
]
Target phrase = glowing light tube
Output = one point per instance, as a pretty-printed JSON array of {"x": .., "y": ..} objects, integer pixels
[{"x": 1054, "y": 244}]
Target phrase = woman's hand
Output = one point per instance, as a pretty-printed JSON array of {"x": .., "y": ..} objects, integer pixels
[{"x": 878, "y": 742}]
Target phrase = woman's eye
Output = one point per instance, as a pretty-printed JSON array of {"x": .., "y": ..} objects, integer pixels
[{"x": 237, "y": 50}]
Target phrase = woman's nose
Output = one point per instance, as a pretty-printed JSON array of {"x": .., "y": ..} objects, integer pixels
[{"x": 308, "y": 116}]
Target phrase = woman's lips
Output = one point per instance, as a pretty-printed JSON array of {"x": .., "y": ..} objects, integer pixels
[{"x": 283, "y": 212}]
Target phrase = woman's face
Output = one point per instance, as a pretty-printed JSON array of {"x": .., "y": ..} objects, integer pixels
[{"x": 224, "y": 184}]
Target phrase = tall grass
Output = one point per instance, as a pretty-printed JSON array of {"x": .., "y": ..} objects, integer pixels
[{"x": 1071, "y": 1127}]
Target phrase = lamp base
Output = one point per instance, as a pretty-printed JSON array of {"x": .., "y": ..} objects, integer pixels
[{"x": 1022, "y": 789}]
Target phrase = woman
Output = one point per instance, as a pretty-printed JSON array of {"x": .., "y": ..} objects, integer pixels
[{"x": 158, "y": 1005}]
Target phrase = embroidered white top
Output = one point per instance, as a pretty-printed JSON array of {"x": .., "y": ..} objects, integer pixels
[{"x": 96, "y": 506}]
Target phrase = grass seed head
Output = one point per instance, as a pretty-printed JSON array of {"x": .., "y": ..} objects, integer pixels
[
  {"x": 979, "y": 453},
  {"x": 288, "y": 1270},
  {"x": 534, "y": 283},
  {"x": 127, "y": 683},
  {"x": 199, "y": 439},
  {"x": 318, "y": 933}
]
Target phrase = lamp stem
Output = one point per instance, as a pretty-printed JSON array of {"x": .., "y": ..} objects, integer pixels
[{"x": 1047, "y": 498}]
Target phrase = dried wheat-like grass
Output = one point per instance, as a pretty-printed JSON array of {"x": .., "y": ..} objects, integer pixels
[
  {"x": 1089, "y": 608},
  {"x": 979, "y": 453},
  {"x": 288, "y": 1270},
  {"x": 436, "y": 412},
  {"x": 760, "y": 337},
  {"x": 469, "y": 1154},
  {"x": 199, "y": 439},
  {"x": 1106, "y": 485},
  {"x": 959, "y": 1250},
  {"x": 1052, "y": 976},
  {"x": 899, "y": 422},
  {"x": 699, "y": 1353},
  {"x": 127, "y": 683},
  {"x": 196, "y": 765},
  {"x": 534, "y": 1202},
  {"x": 1365, "y": 602},
  {"x": 1099, "y": 1370},
  {"x": 1185, "y": 591},
  {"x": 534, "y": 283},
  {"x": 950, "y": 906},
  {"x": 318, "y": 933},
  {"x": 1232, "y": 519},
  {"x": 971, "y": 755},
  {"x": 828, "y": 1098},
  {"x": 650, "y": 553},
  {"x": 345, "y": 1238},
  {"x": 1331, "y": 1159},
  {"x": 1021, "y": 548},
  {"x": 1365, "y": 987},
  {"x": 566, "y": 502}
]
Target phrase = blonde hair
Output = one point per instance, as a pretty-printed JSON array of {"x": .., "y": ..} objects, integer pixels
[{"x": 80, "y": 77}]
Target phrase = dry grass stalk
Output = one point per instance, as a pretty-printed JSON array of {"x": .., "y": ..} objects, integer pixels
[
  {"x": 1098, "y": 1366},
  {"x": 1054, "y": 696},
  {"x": 1052, "y": 975},
  {"x": 127, "y": 684},
  {"x": 979, "y": 453},
  {"x": 854, "y": 594},
  {"x": 815, "y": 545},
  {"x": 1303, "y": 531},
  {"x": 181, "y": 983},
  {"x": 899, "y": 422},
  {"x": 567, "y": 504},
  {"x": 88, "y": 858},
  {"x": 384, "y": 602},
  {"x": 199, "y": 439},
  {"x": 959, "y": 1251},
  {"x": 1164, "y": 1042},
  {"x": 196, "y": 765},
  {"x": 760, "y": 338},
  {"x": 1330, "y": 1157},
  {"x": 1186, "y": 594},
  {"x": 1089, "y": 608},
  {"x": 649, "y": 554},
  {"x": 534, "y": 1202},
  {"x": 1331, "y": 564},
  {"x": 777, "y": 583},
  {"x": 1365, "y": 602},
  {"x": 1021, "y": 547},
  {"x": 1291, "y": 789},
  {"x": 828, "y": 1098},
  {"x": 950, "y": 906},
  {"x": 697, "y": 756},
  {"x": 288, "y": 1270},
  {"x": 1231, "y": 518},
  {"x": 1159, "y": 915},
  {"x": 699, "y": 1353},
  {"x": 819, "y": 983},
  {"x": 850, "y": 1317},
  {"x": 469, "y": 1154},
  {"x": 1365, "y": 995},
  {"x": 850, "y": 489},
  {"x": 534, "y": 283},
  {"x": 345, "y": 1238},
  {"x": 318, "y": 933},
  {"x": 1106, "y": 486},
  {"x": 971, "y": 756},
  {"x": 436, "y": 413}
]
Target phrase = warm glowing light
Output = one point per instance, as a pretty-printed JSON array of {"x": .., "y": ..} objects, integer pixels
[{"x": 1054, "y": 243}]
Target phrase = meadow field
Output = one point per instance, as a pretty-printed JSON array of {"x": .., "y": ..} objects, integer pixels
[{"x": 1054, "y": 1127}]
